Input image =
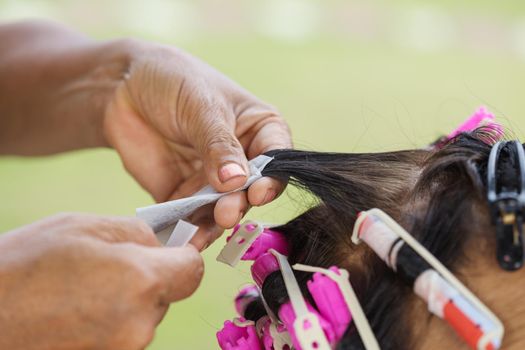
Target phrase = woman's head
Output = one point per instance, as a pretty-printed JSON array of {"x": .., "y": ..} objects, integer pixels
[{"x": 438, "y": 195}]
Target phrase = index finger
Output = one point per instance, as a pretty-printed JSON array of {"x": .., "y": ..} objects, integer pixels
[{"x": 178, "y": 270}]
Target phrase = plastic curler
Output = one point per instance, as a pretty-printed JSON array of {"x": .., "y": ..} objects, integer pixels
[
  {"x": 306, "y": 330},
  {"x": 482, "y": 117},
  {"x": 337, "y": 302},
  {"x": 287, "y": 316},
  {"x": 444, "y": 294},
  {"x": 239, "y": 242},
  {"x": 268, "y": 239},
  {"x": 507, "y": 209},
  {"x": 262, "y": 267},
  {"x": 274, "y": 335},
  {"x": 239, "y": 335},
  {"x": 246, "y": 295},
  {"x": 330, "y": 302}
]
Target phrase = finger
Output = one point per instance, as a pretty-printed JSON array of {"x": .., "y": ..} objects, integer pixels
[
  {"x": 179, "y": 271},
  {"x": 224, "y": 159},
  {"x": 191, "y": 185},
  {"x": 206, "y": 235},
  {"x": 208, "y": 231},
  {"x": 230, "y": 209},
  {"x": 264, "y": 190},
  {"x": 113, "y": 229},
  {"x": 260, "y": 130},
  {"x": 125, "y": 229}
]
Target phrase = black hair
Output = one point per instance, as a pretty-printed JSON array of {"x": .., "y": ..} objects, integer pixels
[{"x": 436, "y": 194}]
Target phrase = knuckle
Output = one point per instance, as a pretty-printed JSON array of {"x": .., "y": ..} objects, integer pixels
[
  {"x": 64, "y": 218},
  {"x": 146, "y": 232},
  {"x": 196, "y": 261},
  {"x": 141, "y": 225},
  {"x": 276, "y": 118},
  {"x": 73, "y": 221},
  {"x": 137, "y": 228},
  {"x": 219, "y": 141}
]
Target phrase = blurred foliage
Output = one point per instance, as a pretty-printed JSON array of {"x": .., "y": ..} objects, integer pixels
[{"x": 337, "y": 94}]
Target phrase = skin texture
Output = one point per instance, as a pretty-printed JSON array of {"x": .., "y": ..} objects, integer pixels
[
  {"x": 90, "y": 282},
  {"x": 177, "y": 123},
  {"x": 191, "y": 122}
]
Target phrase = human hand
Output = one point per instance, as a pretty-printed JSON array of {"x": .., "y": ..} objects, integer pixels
[
  {"x": 89, "y": 282},
  {"x": 178, "y": 124}
]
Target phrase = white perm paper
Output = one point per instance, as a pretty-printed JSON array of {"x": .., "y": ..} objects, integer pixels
[
  {"x": 182, "y": 234},
  {"x": 163, "y": 216}
]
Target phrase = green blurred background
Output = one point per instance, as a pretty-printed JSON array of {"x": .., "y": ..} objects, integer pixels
[{"x": 347, "y": 75}]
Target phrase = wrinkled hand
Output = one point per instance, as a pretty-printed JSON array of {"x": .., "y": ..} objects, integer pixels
[
  {"x": 178, "y": 124},
  {"x": 89, "y": 282}
]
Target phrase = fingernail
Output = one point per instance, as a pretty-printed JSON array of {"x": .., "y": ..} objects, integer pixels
[
  {"x": 241, "y": 214},
  {"x": 229, "y": 171},
  {"x": 270, "y": 195}
]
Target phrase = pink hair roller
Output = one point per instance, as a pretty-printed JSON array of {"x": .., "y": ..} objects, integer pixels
[
  {"x": 269, "y": 239},
  {"x": 245, "y": 296},
  {"x": 238, "y": 335},
  {"x": 249, "y": 227},
  {"x": 287, "y": 316},
  {"x": 262, "y": 267},
  {"x": 269, "y": 343},
  {"x": 481, "y": 117},
  {"x": 330, "y": 302}
]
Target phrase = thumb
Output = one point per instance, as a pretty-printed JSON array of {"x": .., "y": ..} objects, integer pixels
[
  {"x": 179, "y": 270},
  {"x": 223, "y": 156}
]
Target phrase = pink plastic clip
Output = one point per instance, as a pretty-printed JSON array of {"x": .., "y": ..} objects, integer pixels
[
  {"x": 246, "y": 295},
  {"x": 249, "y": 227},
  {"x": 481, "y": 117},
  {"x": 287, "y": 316},
  {"x": 268, "y": 239},
  {"x": 239, "y": 335},
  {"x": 239, "y": 242},
  {"x": 330, "y": 302},
  {"x": 262, "y": 267},
  {"x": 269, "y": 343}
]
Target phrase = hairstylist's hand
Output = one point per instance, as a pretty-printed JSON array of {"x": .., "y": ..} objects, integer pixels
[
  {"x": 178, "y": 124},
  {"x": 88, "y": 282}
]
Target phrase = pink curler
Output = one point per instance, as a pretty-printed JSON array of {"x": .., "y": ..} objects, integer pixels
[
  {"x": 269, "y": 343},
  {"x": 330, "y": 302},
  {"x": 238, "y": 335},
  {"x": 287, "y": 316},
  {"x": 249, "y": 227},
  {"x": 245, "y": 296},
  {"x": 267, "y": 338},
  {"x": 481, "y": 117},
  {"x": 262, "y": 267},
  {"x": 268, "y": 239}
]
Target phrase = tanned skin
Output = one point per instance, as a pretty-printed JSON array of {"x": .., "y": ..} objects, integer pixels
[{"x": 91, "y": 282}]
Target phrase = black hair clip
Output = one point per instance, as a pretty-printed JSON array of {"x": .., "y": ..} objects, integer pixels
[{"x": 507, "y": 208}]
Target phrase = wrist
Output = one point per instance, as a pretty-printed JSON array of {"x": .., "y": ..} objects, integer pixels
[
  {"x": 56, "y": 85},
  {"x": 107, "y": 75}
]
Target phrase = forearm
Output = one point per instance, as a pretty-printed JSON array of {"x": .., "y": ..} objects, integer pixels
[{"x": 54, "y": 87}]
